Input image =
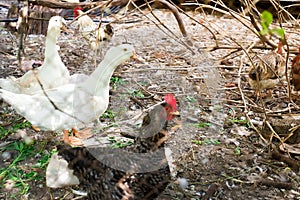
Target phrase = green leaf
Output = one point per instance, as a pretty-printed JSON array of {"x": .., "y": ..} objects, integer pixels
[
  {"x": 264, "y": 27},
  {"x": 137, "y": 93},
  {"x": 21, "y": 146},
  {"x": 279, "y": 32},
  {"x": 190, "y": 99},
  {"x": 206, "y": 141},
  {"x": 264, "y": 32},
  {"x": 202, "y": 125},
  {"x": 266, "y": 18},
  {"x": 237, "y": 151},
  {"x": 108, "y": 114}
]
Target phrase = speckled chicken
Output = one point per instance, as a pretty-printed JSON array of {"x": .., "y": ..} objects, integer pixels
[
  {"x": 295, "y": 71},
  {"x": 267, "y": 69},
  {"x": 138, "y": 171}
]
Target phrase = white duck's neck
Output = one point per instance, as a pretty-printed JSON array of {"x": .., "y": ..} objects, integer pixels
[
  {"x": 51, "y": 50},
  {"x": 98, "y": 82}
]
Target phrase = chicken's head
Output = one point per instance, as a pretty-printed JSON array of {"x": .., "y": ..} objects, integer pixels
[
  {"x": 76, "y": 11},
  {"x": 255, "y": 73},
  {"x": 170, "y": 106}
]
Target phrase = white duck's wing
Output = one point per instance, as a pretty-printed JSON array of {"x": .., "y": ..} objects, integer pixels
[
  {"x": 77, "y": 78},
  {"x": 75, "y": 101},
  {"x": 39, "y": 111},
  {"x": 10, "y": 84},
  {"x": 25, "y": 84}
]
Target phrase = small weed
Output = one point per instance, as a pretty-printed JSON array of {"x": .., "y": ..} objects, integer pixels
[
  {"x": 16, "y": 172},
  {"x": 44, "y": 160},
  {"x": 116, "y": 81},
  {"x": 13, "y": 171},
  {"x": 190, "y": 99},
  {"x": 109, "y": 114},
  {"x": 137, "y": 93},
  {"x": 237, "y": 151},
  {"x": 119, "y": 143},
  {"x": 201, "y": 124},
  {"x": 266, "y": 20},
  {"x": 206, "y": 141},
  {"x": 243, "y": 122},
  {"x": 5, "y": 132},
  {"x": 144, "y": 83}
]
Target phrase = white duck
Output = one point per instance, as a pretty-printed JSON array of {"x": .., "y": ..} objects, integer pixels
[
  {"x": 51, "y": 74},
  {"x": 71, "y": 105}
]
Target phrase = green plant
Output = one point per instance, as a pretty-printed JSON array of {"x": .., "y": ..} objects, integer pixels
[
  {"x": 266, "y": 20},
  {"x": 13, "y": 171},
  {"x": 44, "y": 160},
  {"x": 201, "y": 124},
  {"x": 144, "y": 83},
  {"x": 108, "y": 114},
  {"x": 5, "y": 132},
  {"x": 206, "y": 141},
  {"x": 190, "y": 99},
  {"x": 243, "y": 122},
  {"x": 119, "y": 143},
  {"x": 16, "y": 172},
  {"x": 116, "y": 81},
  {"x": 137, "y": 93},
  {"x": 237, "y": 151}
]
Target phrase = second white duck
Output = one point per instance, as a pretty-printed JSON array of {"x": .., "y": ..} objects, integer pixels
[{"x": 51, "y": 74}]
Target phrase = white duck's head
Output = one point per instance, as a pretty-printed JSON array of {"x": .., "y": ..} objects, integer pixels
[
  {"x": 119, "y": 54},
  {"x": 56, "y": 24}
]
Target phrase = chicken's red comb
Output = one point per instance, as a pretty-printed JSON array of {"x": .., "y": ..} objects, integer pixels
[
  {"x": 170, "y": 99},
  {"x": 75, "y": 11},
  {"x": 77, "y": 8}
]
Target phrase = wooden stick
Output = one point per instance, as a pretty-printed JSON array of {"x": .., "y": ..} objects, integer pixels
[
  {"x": 57, "y": 4},
  {"x": 175, "y": 12}
]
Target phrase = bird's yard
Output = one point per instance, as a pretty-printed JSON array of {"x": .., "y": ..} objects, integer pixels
[{"x": 229, "y": 141}]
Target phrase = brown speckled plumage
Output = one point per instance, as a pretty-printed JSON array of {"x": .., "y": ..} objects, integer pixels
[{"x": 267, "y": 69}]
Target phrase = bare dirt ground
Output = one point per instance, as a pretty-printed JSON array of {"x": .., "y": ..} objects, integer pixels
[{"x": 216, "y": 149}]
